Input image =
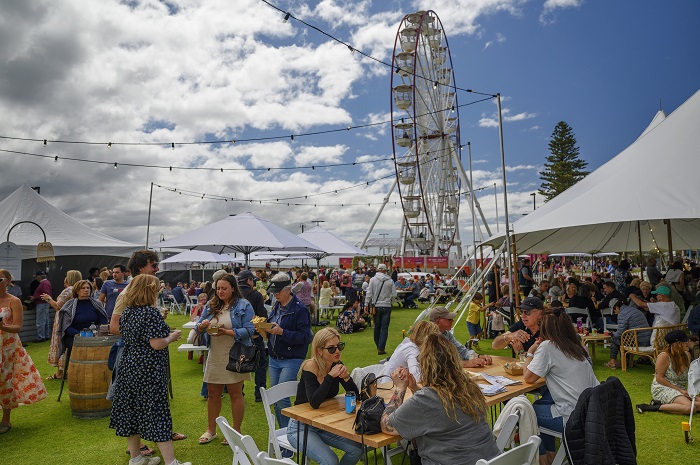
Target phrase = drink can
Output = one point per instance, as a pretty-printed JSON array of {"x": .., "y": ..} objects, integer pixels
[{"x": 350, "y": 402}]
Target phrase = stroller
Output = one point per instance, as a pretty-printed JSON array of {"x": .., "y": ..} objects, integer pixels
[{"x": 693, "y": 391}]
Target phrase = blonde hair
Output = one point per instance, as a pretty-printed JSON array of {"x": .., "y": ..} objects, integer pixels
[
  {"x": 645, "y": 284},
  {"x": 326, "y": 284},
  {"x": 422, "y": 330},
  {"x": 104, "y": 275},
  {"x": 320, "y": 339},
  {"x": 441, "y": 371},
  {"x": 6, "y": 274},
  {"x": 79, "y": 285},
  {"x": 142, "y": 291},
  {"x": 72, "y": 277},
  {"x": 679, "y": 358}
]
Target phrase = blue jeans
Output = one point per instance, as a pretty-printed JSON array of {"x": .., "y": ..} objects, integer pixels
[
  {"x": 381, "y": 327},
  {"x": 42, "y": 321},
  {"x": 280, "y": 372},
  {"x": 319, "y": 443},
  {"x": 543, "y": 411}
]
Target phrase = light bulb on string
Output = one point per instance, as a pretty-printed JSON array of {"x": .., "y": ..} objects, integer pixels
[
  {"x": 286, "y": 17},
  {"x": 115, "y": 165}
]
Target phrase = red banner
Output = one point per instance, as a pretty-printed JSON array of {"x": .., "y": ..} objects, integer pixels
[
  {"x": 345, "y": 262},
  {"x": 437, "y": 262},
  {"x": 410, "y": 263}
]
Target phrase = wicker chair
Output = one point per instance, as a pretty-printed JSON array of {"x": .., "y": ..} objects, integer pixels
[{"x": 630, "y": 345}]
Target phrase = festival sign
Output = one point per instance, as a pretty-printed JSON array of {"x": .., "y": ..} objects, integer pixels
[
  {"x": 437, "y": 262},
  {"x": 410, "y": 263},
  {"x": 11, "y": 259},
  {"x": 345, "y": 262}
]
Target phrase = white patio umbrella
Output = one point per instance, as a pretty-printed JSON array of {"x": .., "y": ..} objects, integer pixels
[
  {"x": 243, "y": 233},
  {"x": 185, "y": 260}
]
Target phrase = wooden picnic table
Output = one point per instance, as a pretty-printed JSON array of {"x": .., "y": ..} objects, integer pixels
[{"x": 331, "y": 416}]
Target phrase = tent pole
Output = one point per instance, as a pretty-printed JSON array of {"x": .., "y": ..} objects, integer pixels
[
  {"x": 641, "y": 257},
  {"x": 670, "y": 243},
  {"x": 148, "y": 224},
  {"x": 379, "y": 213},
  {"x": 505, "y": 192},
  {"x": 514, "y": 276}
]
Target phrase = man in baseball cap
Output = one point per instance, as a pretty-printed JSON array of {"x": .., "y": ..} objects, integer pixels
[
  {"x": 279, "y": 282},
  {"x": 666, "y": 311},
  {"x": 522, "y": 334},
  {"x": 443, "y": 319}
]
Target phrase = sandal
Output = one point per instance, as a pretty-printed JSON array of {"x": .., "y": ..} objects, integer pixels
[
  {"x": 55, "y": 376},
  {"x": 4, "y": 428},
  {"x": 145, "y": 450},
  {"x": 179, "y": 436},
  {"x": 207, "y": 437},
  {"x": 224, "y": 442}
]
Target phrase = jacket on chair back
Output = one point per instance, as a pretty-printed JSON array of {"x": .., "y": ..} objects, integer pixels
[{"x": 601, "y": 429}]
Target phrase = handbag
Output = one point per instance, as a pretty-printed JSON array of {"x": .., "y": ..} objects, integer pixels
[
  {"x": 114, "y": 353},
  {"x": 373, "y": 306},
  {"x": 243, "y": 358},
  {"x": 412, "y": 453},
  {"x": 369, "y": 416},
  {"x": 368, "y": 386}
]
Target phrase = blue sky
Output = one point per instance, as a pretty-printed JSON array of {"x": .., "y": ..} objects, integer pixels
[{"x": 144, "y": 71}]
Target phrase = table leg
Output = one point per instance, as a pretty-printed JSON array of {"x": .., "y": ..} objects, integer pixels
[{"x": 303, "y": 447}]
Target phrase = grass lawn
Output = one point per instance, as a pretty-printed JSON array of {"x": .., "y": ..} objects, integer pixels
[{"x": 47, "y": 433}]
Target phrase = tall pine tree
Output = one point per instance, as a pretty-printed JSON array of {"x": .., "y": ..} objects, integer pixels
[{"x": 564, "y": 168}]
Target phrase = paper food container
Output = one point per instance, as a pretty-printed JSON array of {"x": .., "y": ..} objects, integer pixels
[
  {"x": 513, "y": 368},
  {"x": 262, "y": 328}
]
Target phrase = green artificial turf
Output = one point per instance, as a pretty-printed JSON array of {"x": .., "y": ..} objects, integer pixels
[{"x": 47, "y": 433}]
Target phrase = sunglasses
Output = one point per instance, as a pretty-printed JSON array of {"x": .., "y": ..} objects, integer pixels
[
  {"x": 332, "y": 349},
  {"x": 529, "y": 312},
  {"x": 2, "y": 279}
]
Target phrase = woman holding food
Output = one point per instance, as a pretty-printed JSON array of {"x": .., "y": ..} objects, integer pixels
[{"x": 227, "y": 320}]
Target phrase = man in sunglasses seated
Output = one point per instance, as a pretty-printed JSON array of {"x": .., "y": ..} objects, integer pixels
[
  {"x": 522, "y": 334},
  {"x": 470, "y": 359}
]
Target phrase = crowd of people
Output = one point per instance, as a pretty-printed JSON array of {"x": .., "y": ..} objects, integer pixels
[{"x": 446, "y": 415}]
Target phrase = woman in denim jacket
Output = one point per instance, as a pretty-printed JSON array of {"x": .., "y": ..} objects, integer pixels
[{"x": 233, "y": 314}]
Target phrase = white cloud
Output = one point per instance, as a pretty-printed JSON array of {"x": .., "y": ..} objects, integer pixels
[
  {"x": 551, "y": 5},
  {"x": 491, "y": 121}
]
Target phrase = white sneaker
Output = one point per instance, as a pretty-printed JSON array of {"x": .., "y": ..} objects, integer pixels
[
  {"x": 143, "y": 460},
  {"x": 177, "y": 462}
]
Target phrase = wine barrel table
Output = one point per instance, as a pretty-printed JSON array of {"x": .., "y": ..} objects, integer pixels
[{"x": 88, "y": 376}]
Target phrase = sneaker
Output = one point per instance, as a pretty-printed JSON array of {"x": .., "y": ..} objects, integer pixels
[
  {"x": 177, "y": 462},
  {"x": 381, "y": 352},
  {"x": 143, "y": 460},
  {"x": 286, "y": 453}
]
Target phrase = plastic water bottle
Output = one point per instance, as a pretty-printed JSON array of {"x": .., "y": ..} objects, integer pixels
[
  {"x": 579, "y": 325},
  {"x": 93, "y": 330}
]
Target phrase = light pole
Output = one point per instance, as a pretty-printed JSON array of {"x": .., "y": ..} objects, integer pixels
[
  {"x": 495, "y": 198},
  {"x": 534, "y": 206}
]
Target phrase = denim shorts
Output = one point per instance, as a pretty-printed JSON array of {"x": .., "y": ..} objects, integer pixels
[{"x": 474, "y": 328}]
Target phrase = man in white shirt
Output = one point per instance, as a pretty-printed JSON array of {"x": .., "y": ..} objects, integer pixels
[{"x": 666, "y": 311}]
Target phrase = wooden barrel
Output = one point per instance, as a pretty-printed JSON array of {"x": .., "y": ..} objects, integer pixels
[{"x": 89, "y": 377}]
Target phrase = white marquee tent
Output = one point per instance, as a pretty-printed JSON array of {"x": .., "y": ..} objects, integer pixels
[
  {"x": 67, "y": 235},
  {"x": 653, "y": 180}
]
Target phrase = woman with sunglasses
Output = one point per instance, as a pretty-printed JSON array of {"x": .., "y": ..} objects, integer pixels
[
  {"x": 321, "y": 377},
  {"x": 563, "y": 362}
]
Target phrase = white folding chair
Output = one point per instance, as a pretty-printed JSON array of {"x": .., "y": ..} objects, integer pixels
[
  {"x": 524, "y": 454},
  {"x": 580, "y": 311},
  {"x": 265, "y": 459},
  {"x": 277, "y": 438},
  {"x": 505, "y": 437},
  {"x": 608, "y": 326},
  {"x": 191, "y": 304},
  {"x": 561, "y": 452},
  {"x": 245, "y": 451}
]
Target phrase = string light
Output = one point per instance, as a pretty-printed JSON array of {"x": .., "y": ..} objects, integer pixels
[
  {"x": 286, "y": 17},
  {"x": 252, "y": 139},
  {"x": 115, "y": 165}
]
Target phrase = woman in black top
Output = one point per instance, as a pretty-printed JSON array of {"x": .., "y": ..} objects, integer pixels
[
  {"x": 321, "y": 377},
  {"x": 80, "y": 312}
]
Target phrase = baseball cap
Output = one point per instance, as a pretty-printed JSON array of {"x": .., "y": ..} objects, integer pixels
[
  {"x": 40, "y": 273},
  {"x": 381, "y": 267},
  {"x": 245, "y": 275},
  {"x": 441, "y": 312},
  {"x": 663, "y": 290},
  {"x": 677, "y": 335},
  {"x": 532, "y": 303},
  {"x": 279, "y": 282}
]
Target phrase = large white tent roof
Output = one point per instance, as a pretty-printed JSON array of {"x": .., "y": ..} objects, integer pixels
[
  {"x": 67, "y": 235},
  {"x": 652, "y": 180}
]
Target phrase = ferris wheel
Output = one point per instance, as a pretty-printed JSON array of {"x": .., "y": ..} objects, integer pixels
[{"x": 426, "y": 139}]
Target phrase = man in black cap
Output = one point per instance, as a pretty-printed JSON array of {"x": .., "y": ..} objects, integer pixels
[
  {"x": 522, "y": 334},
  {"x": 246, "y": 284}
]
